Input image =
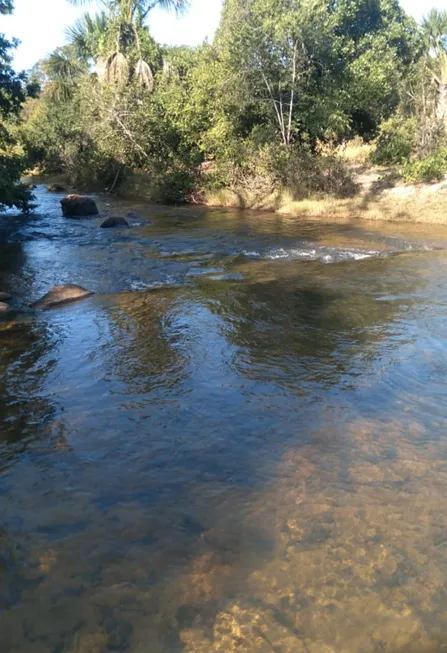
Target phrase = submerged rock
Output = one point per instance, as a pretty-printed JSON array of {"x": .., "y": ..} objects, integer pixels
[
  {"x": 78, "y": 206},
  {"x": 62, "y": 295},
  {"x": 56, "y": 188},
  {"x": 5, "y": 296},
  {"x": 114, "y": 222}
]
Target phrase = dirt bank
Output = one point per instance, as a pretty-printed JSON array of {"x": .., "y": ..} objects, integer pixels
[{"x": 381, "y": 196}]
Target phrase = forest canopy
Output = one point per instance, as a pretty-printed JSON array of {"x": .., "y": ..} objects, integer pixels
[{"x": 263, "y": 107}]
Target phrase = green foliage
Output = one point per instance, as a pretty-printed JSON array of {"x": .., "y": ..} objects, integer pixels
[
  {"x": 12, "y": 95},
  {"x": 13, "y": 194},
  {"x": 88, "y": 35},
  {"x": 271, "y": 168},
  {"x": 249, "y": 110},
  {"x": 315, "y": 66},
  {"x": 396, "y": 141},
  {"x": 432, "y": 168},
  {"x": 434, "y": 30}
]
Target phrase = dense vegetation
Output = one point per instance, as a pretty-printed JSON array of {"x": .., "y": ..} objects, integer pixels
[
  {"x": 262, "y": 108},
  {"x": 13, "y": 92}
]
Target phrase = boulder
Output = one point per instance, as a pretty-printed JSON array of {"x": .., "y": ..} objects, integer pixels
[
  {"x": 56, "y": 188},
  {"x": 5, "y": 297},
  {"x": 114, "y": 222},
  {"x": 78, "y": 206},
  {"x": 4, "y": 308},
  {"x": 62, "y": 295}
]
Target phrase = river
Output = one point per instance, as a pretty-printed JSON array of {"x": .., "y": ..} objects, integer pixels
[{"x": 238, "y": 443}]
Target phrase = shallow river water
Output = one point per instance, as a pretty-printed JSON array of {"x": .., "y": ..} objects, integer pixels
[{"x": 238, "y": 443}]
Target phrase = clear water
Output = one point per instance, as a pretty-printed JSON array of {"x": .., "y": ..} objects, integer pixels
[{"x": 238, "y": 443}]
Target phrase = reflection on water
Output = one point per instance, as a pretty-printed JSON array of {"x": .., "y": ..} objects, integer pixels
[{"x": 247, "y": 453}]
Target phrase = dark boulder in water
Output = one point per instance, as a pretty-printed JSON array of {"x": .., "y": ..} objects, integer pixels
[
  {"x": 56, "y": 188},
  {"x": 78, "y": 206},
  {"x": 62, "y": 295},
  {"x": 114, "y": 222},
  {"x": 5, "y": 296}
]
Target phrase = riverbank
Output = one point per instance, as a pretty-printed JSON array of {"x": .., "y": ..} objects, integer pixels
[{"x": 381, "y": 195}]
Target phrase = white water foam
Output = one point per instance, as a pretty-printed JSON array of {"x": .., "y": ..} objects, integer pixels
[
  {"x": 153, "y": 285},
  {"x": 314, "y": 253}
]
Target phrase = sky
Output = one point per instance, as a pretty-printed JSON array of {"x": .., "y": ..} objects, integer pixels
[{"x": 40, "y": 24}]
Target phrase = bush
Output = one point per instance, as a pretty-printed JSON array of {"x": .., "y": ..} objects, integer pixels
[
  {"x": 174, "y": 185},
  {"x": 262, "y": 171},
  {"x": 396, "y": 141},
  {"x": 12, "y": 192},
  {"x": 432, "y": 168}
]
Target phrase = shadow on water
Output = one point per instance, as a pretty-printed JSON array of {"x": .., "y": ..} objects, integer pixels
[{"x": 229, "y": 466}]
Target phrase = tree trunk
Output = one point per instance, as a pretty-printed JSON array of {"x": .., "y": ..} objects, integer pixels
[{"x": 441, "y": 104}]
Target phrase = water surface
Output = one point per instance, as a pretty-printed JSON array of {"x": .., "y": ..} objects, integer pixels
[{"x": 237, "y": 444}]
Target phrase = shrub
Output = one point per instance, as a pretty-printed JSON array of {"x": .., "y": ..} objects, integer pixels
[
  {"x": 262, "y": 171},
  {"x": 174, "y": 185},
  {"x": 12, "y": 192},
  {"x": 396, "y": 141},
  {"x": 432, "y": 168}
]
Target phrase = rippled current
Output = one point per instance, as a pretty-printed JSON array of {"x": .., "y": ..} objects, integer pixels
[{"x": 238, "y": 443}]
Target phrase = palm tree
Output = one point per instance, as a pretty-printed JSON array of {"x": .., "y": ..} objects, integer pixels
[
  {"x": 88, "y": 35},
  {"x": 434, "y": 28},
  {"x": 434, "y": 31},
  {"x": 136, "y": 9},
  {"x": 109, "y": 37},
  {"x": 62, "y": 70}
]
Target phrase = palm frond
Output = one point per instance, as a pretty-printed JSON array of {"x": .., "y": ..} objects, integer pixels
[
  {"x": 434, "y": 29},
  {"x": 87, "y": 34},
  {"x": 81, "y": 3},
  {"x": 62, "y": 64},
  {"x": 168, "y": 68},
  {"x": 143, "y": 7},
  {"x": 60, "y": 91},
  {"x": 144, "y": 75},
  {"x": 116, "y": 69},
  {"x": 101, "y": 66},
  {"x": 178, "y": 6}
]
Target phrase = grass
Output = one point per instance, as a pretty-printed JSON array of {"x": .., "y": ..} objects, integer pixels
[
  {"x": 381, "y": 196},
  {"x": 425, "y": 203},
  {"x": 355, "y": 151}
]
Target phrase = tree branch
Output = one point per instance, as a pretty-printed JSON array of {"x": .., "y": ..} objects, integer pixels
[
  {"x": 292, "y": 92},
  {"x": 129, "y": 134},
  {"x": 275, "y": 104}
]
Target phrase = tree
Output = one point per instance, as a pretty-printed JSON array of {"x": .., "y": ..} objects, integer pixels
[
  {"x": 274, "y": 52},
  {"x": 12, "y": 95},
  {"x": 434, "y": 29},
  {"x": 320, "y": 65},
  {"x": 121, "y": 23},
  {"x": 62, "y": 71}
]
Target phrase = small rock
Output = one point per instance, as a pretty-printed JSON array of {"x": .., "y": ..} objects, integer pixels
[
  {"x": 62, "y": 295},
  {"x": 4, "y": 308},
  {"x": 5, "y": 297},
  {"x": 31, "y": 186},
  {"x": 114, "y": 222},
  {"x": 56, "y": 188},
  {"x": 78, "y": 206}
]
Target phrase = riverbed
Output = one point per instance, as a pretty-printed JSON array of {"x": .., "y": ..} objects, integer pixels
[{"x": 238, "y": 443}]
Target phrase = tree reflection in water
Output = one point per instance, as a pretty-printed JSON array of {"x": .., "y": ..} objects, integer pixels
[{"x": 248, "y": 466}]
